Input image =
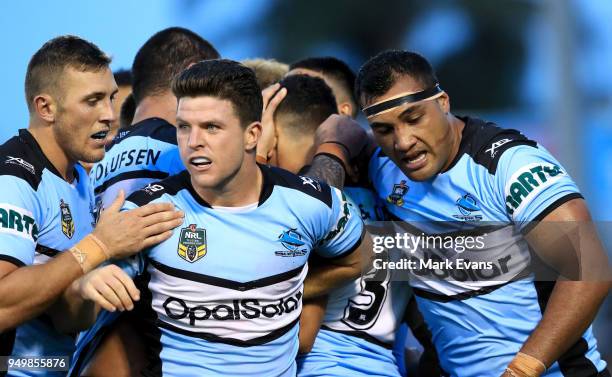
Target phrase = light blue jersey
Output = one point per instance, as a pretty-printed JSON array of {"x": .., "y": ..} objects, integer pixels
[
  {"x": 479, "y": 318},
  {"x": 362, "y": 317},
  {"x": 223, "y": 295},
  {"x": 40, "y": 216},
  {"x": 141, "y": 154}
]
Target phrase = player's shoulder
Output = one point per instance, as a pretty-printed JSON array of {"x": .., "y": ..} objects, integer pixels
[
  {"x": 152, "y": 128},
  {"x": 169, "y": 186},
  {"x": 22, "y": 160},
  {"x": 486, "y": 142},
  {"x": 301, "y": 185}
]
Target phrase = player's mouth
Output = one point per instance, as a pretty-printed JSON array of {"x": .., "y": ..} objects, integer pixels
[
  {"x": 100, "y": 137},
  {"x": 200, "y": 163},
  {"x": 415, "y": 161}
]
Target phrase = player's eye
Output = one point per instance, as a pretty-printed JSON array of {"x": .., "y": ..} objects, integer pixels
[
  {"x": 211, "y": 127},
  {"x": 382, "y": 130},
  {"x": 413, "y": 120},
  {"x": 182, "y": 126}
]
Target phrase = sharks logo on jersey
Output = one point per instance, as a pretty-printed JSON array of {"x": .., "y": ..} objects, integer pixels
[
  {"x": 292, "y": 242},
  {"x": 192, "y": 243},
  {"x": 469, "y": 209},
  {"x": 67, "y": 220}
]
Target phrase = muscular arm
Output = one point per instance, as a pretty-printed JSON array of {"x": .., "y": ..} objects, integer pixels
[
  {"x": 330, "y": 274},
  {"x": 327, "y": 169},
  {"x": 339, "y": 141},
  {"x": 28, "y": 291},
  {"x": 311, "y": 318},
  {"x": 564, "y": 237}
]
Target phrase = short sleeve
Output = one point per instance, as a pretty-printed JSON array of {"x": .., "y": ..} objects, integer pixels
[
  {"x": 343, "y": 229},
  {"x": 133, "y": 265},
  {"x": 532, "y": 183},
  {"x": 19, "y": 221}
]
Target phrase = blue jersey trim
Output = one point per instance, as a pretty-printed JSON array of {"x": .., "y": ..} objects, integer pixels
[
  {"x": 226, "y": 283},
  {"x": 16, "y": 262},
  {"x": 556, "y": 204},
  {"x": 48, "y": 251},
  {"x": 130, "y": 175},
  {"x": 231, "y": 341}
]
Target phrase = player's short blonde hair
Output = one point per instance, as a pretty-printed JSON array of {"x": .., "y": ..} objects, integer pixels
[{"x": 267, "y": 71}]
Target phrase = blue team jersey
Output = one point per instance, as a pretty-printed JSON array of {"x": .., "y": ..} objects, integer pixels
[
  {"x": 497, "y": 185},
  {"x": 143, "y": 153},
  {"x": 362, "y": 317},
  {"x": 223, "y": 295},
  {"x": 40, "y": 216}
]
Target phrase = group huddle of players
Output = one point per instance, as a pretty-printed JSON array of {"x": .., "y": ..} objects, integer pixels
[{"x": 220, "y": 223}]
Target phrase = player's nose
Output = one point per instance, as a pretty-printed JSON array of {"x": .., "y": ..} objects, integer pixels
[
  {"x": 196, "y": 139},
  {"x": 107, "y": 114},
  {"x": 403, "y": 139}
]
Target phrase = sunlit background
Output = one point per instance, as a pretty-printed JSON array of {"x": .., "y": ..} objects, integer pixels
[{"x": 544, "y": 67}]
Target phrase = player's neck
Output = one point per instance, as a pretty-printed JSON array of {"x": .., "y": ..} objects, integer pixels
[
  {"x": 300, "y": 150},
  {"x": 52, "y": 150},
  {"x": 457, "y": 126},
  {"x": 160, "y": 106},
  {"x": 242, "y": 189}
]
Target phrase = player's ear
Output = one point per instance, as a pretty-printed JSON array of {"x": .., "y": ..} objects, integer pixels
[
  {"x": 45, "y": 107},
  {"x": 252, "y": 133},
  {"x": 444, "y": 101},
  {"x": 345, "y": 108}
]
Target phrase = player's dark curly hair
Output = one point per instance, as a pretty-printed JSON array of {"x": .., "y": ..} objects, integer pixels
[
  {"x": 48, "y": 63},
  {"x": 225, "y": 79},
  {"x": 308, "y": 103},
  {"x": 164, "y": 56},
  {"x": 379, "y": 73}
]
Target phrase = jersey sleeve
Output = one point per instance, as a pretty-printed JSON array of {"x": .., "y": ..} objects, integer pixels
[
  {"x": 342, "y": 230},
  {"x": 532, "y": 183},
  {"x": 20, "y": 220},
  {"x": 176, "y": 164},
  {"x": 133, "y": 265}
]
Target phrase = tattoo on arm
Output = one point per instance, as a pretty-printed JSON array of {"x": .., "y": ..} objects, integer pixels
[{"x": 328, "y": 170}]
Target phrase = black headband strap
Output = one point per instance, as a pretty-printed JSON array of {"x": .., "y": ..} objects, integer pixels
[{"x": 395, "y": 102}]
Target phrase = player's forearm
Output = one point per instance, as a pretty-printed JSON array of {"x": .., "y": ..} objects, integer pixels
[
  {"x": 311, "y": 318},
  {"x": 327, "y": 169},
  {"x": 29, "y": 291},
  {"x": 71, "y": 312},
  {"x": 570, "y": 310},
  {"x": 323, "y": 279}
]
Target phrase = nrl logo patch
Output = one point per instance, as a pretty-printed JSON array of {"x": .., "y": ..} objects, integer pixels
[
  {"x": 192, "y": 243},
  {"x": 67, "y": 219},
  {"x": 397, "y": 194}
]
